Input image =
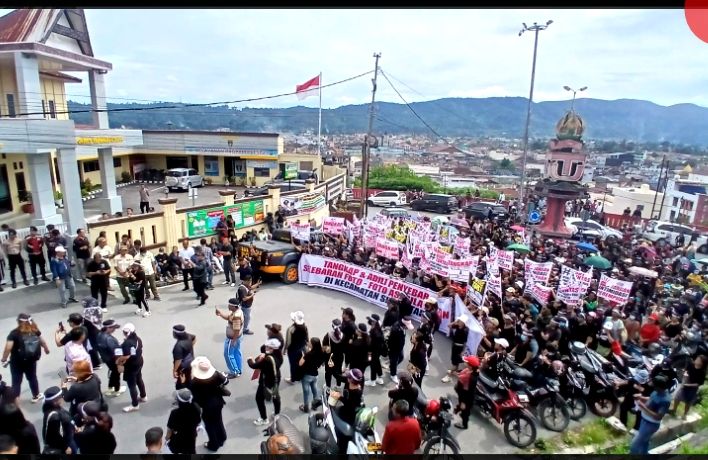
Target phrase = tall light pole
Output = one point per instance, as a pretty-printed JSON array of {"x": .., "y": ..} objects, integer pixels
[
  {"x": 535, "y": 28},
  {"x": 568, "y": 88},
  {"x": 368, "y": 140}
]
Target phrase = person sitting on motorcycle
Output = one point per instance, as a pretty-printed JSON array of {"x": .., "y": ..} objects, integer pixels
[
  {"x": 402, "y": 435},
  {"x": 495, "y": 362},
  {"x": 618, "y": 357},
  {"x": 525, "y": 353},
  {"x": 637, "y": 385},
  {"x": 650, "y": 332},
  {"x": 405, "y": 390},
  {"x": 351, "y": 399},
  {"x": 465, "y": 388}
]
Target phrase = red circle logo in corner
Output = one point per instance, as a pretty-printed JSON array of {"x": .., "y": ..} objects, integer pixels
[{"x": 697, "y": 18}]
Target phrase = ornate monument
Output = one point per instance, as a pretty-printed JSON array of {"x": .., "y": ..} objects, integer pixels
[{"x": 565, "y": 164}]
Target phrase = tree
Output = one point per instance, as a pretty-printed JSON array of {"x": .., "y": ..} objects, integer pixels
[{"x": 506, "y": 164}]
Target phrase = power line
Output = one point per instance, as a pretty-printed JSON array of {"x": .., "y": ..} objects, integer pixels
[
  {"x": 412, "y": 109},
  {"x": 181, "y": 106}
]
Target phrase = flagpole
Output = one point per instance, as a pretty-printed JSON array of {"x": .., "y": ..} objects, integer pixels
[{"x": 319, "y": 122}]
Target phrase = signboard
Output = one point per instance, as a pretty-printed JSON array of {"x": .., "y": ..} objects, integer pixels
[
  {"x": 505, "y": 259},
  {"x": 300, "y": 231},
  {"x": 573, "y": 285},
  {"x": 298, "y": 205},
  {"x": 290, "y": 171},
  {"x": 333, "y": 225},
  {"x": 202, "y": 222},
  {"x": 534, "y": 217},
  {"x": 537, "y": 273},
  {"x": 386, "y": 248},
  {"x": 541, "y": 293},
  {"x": 614, "y": 290},
  {"x": 475, "y": 290},
  {"x": 369, "y": 285}
]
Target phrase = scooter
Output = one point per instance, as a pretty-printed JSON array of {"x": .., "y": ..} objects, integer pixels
[
  {"x": 283, "y": 438},
  {"x": 599, "y": 375},
  {"x": 437, "y": 439},
  {"x": 363, "y": 438}
]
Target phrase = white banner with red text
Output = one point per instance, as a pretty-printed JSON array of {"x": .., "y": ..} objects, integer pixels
[{"x": 615, "y": 291}]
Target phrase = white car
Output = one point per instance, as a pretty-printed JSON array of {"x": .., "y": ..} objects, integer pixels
[
  {"x": 183, "y": 178},
  {"x": 666, "y": 232},
  {"x": 591, "y": 228},
  {"x": 387, "y": 198}
]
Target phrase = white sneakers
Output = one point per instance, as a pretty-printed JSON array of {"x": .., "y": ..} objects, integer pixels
[
  {"x": 38, "y": 398},
  {"x": 146, "y": 314},
  {"x": 394, "y": 379},
  {"x": 138, "y": 311},
  {"x": 143, "y": 313},
  {"x": 131, "y": 408},
  {"x": 224, "y": 283},
  {"x": 379, "y": 381},
  {"x": 446, "y": 379},
  {"x": 233, "y": 284},
  {"x": 260, "y": 422}
]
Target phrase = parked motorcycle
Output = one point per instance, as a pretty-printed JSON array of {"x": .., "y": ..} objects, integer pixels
[
  {"x": 435, "y": 420},
  {"x": 599, "y": 375},
  {"x": 573, "y": 387},
  {"x": 498, "y": 399},
  {"x": 363, "y": 438},
  {"x": 543, "y": 392},
  {"x": 283, "y": 437}
]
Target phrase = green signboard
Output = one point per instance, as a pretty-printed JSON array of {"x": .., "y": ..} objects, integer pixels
[
  {"x": 203, "y": 222},
  {"x": 290, "y": 171}
]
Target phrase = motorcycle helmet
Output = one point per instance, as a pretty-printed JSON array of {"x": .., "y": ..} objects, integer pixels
[
  {"x": 432, "y": 409},
  {"x": 472, "y": 361},
  {"x": 653, "y": 349},
  {"x": 641, "y": 376},
  {"x": 365, "y": 419},
  {"x": 578, "y": 348}
]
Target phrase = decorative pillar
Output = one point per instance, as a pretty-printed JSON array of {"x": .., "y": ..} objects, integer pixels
[
  {"x": 45, "y": 211},
  {"x": 109, "y": 201},
  {"x": 29, "y": 87},
  {"x": 273, "y": 203},
  {"x": 227, "y": 196},
  {"x": 69, "y": 174},
  {"x": 97, "y": 88},
  {"x": 169, "y": 209}
]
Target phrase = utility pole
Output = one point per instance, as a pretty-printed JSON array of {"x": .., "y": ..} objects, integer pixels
[
  {"x": 658, "y": 185},
  {"x": 367, "y": 143},
  {"x": 666, "y": 182},
  {"x": 535, "y": 28}
]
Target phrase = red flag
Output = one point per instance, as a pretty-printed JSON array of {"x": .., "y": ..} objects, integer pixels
[{"x": 308, "y": 88}]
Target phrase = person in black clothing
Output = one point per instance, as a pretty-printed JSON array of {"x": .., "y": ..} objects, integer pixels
[
  {"x": 693, "y": 378},
  {"x": 107, "y": 345},
  {"x": 333, "y": 346},
  {"x": 226, "y": 250},
  {"x": 57, "y": 426},
  {"x": 207, "y": 386},
  {"x": 310, "y": 363},
  {"x": 405, "y": 306},
  {"x": 418, "y": 358},
  {"x": 98, "y": 270},
  {"x": 137, "y": 276},
  {"x": 396, "y": 342},
  {"x": 426, "y": 331},
  {"x": 268, "y": 380},
  {"x": 350, "y": 400},
  {"x": 636, "y": 385},
  {"x": 14, "y": 424},
  {"x": 75, "y": 321},
  {"x": 359, "y": 350},
  {"x": 86, "y": 387},
  {"x": 580, "y": 330},
  {"x": 404, "y": 390},
  {"x": 24, "y": 347},
  {"x": 182, "y": 356},
  {"x": 674, "y": 328},
  {"x": 391, "y": 315},
  {"x": 199, "y": 275},
  {"x": 296, "y": 339},
  {"x": 82, "y": 251},
  {"x": 181, "y": 436},
  {"x": 458, "y": 333},
  {"x": 348, "y": 328},
  {"x": 273, "y": 332},
  {"x": 130, "y": 357},
  {"x": 96, "y": 437},
  {"x": 465, "y": 388},
  {"x": 377, "y": 347}
]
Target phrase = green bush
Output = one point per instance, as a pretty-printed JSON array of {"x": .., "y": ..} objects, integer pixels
[
  {"x": 87, "y": 185},
  {"x": 125, "y": 177},
  {"x": 58, "y": 195},
  {"x": 84, "y": 193}
]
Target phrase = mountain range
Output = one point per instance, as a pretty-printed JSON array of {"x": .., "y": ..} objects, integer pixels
[{"x": 623, "y": 119}]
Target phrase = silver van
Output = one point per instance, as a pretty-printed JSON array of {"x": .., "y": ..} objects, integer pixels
[{"x": 183, "y": 179}]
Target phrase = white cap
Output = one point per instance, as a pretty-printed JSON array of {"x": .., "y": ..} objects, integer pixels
[
  {"x": 129, "y": 328},
  {"x": 59, "y": 249},
  {"x": 273, "y": 344},
  {"x": 298, "y": 317},
  {"x": 503, "y": 342}
]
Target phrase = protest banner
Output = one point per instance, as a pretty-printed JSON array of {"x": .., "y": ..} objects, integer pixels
[
  {"x": 439, "y": 263},
  {"x": 536, "y": 273},
  {"x": 462, "y": 245},
  {"x": 301, "y": 204},
  {"x": 369, "y": 285},
  {"x": 333, "y": 226},
  {"x": 573, "y": 285},
  {"x": 475, "y": 290},
  {"x": 476, "y": 331},
  {"x": 505, "y": 259},
  {"x": 616, "y": 291},
  {"x": 493, "y": 260},
  {"x": 386, "y": 248},
  {"x": 459, "y": 269},
  {"x": 541, "y": 293},
  {"x": 474, "y": 263},
  {"x": 300, "y": 231},
  {"x": 372, "y": 231},
  {"x": 494, "y": 284}
]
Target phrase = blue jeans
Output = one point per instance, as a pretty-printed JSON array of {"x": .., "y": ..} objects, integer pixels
[
  {"x": 246, "y": 317},
  {"x": 232, "y": 355},
  {"x": 66, "y": 284},
  {"x": 640, "y": 443},
  {"x": 309, "y": 388}
]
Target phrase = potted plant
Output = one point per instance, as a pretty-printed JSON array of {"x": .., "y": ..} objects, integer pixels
[
  {"x": 59, "y": 198},
  {"x": 27, "y": 206}
]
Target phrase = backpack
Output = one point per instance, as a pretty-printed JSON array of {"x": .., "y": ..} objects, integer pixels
[{"x": 30, "y": 350}]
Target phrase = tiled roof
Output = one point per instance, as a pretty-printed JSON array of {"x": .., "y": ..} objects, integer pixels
[{"x": 26, "y": 25}]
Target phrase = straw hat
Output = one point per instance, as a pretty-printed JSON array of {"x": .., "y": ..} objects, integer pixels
[{"x": 202, "y": 368}]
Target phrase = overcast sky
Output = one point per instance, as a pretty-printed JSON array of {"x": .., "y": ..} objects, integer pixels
[{"x": 222, "y": 55}]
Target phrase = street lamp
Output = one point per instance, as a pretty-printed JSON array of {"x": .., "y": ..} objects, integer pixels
[
  {"x": 568, "y": 88},
  {"x": 535, "y": 28}
]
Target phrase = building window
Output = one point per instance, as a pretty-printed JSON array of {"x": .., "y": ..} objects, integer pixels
[
  {"x": 261, "y": 172},
  {"x": 52, "y": 110},
  {"x": 211, "y": 166},
  {"x": 117, "y": 163},
  {"x": 11, "y": 106},
  {"x": 44, "y": 108},
  {"x": 90, "y": 166},
  {"x": 675, "y": 203}
]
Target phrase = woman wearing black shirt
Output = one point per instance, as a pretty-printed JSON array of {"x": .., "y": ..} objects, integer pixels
[
  {"x": 295, "y": 343},
  {"x": 96, "y": 437},
  {"x": 207, "y": 388},
  {"x": 138, "y": 277},
  {"x": 87, "y": 387},
  {"x": 378, "y": 349},
  {"x": 57, "y": 426},
  {"x": 268, "y": 380},
  {"x": 14, "y": 424},
  {"x": 310, "y": 363},
  {"x": 351, "y": 399},
  {"x": 359, "y": 349},
  {"x": 404, "y": 390},
  {"x": 333, "y": 347},
  {"x": 182, "y": 424},
  {"x": 418, "y": 358}
]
